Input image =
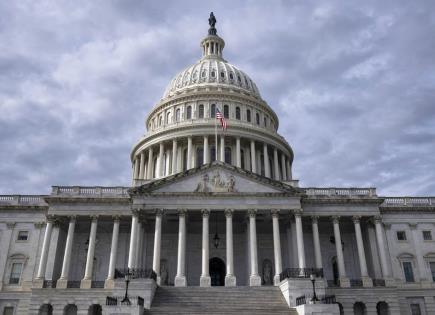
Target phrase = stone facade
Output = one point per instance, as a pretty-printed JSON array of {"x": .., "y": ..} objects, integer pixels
[{"x": 207, "y": 210}]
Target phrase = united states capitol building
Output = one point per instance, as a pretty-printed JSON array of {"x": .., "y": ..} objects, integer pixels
[{"x": 215, "y": 223}]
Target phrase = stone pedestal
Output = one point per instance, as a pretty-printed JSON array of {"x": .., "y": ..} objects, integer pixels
[
  {"x": 315, "y": 309},
  {"x": 61, "y": 284},
  {"x": 38, "y": 283},
  {"x": 230, "y": 281},
  {"x": 296, "y": 287},
  {"x": 390, "y": 282},
  {"x": 276, "y": 280},
  {"x": 85, "y": 284},
  {"x": 344, "y": 282},
  {"x": 254, "y": 281},
  {"x": 367, "y": 282},
  {"x": 180, "y": 281},
  {"x": 109, "y": 284},
  {"x": 204, "y": 281}
]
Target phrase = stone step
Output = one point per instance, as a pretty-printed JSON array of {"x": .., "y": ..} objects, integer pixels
[{"x": 219, "y": 300}]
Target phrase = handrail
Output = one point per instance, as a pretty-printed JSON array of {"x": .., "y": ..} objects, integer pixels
[{"x": 136, "y": 273}]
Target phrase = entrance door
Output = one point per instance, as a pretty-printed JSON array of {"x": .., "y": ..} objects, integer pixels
[{"x": 217, "y": 271}]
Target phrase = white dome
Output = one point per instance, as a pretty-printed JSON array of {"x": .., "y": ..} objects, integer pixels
[{"x": 215, "y": 71}]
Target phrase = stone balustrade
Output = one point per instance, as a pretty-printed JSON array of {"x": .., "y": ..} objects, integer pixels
[
  {"x": 329, "y": 192},
  {"x": 89, "y": 191},
  {"x": 37, "y": 200},
  {"x": 408, "y": 201}
]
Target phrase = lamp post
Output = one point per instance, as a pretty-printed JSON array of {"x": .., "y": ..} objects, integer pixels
[
  {"x": 126, "y": 300},
  {"x": 314, "y": 299}
]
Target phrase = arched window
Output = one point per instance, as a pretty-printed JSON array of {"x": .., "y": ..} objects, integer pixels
[
  {"x": 95, "y": 309},
  {"x": 161, "y": 120},
  {"x": 46, "y": 309},
  {"x": 226, "y": 111},
  {"x": 382, "y": 308},
  {"x": 228, "y": 155},
  {"x": 213, "y": 74},
  {"x": 213, "y": 111},
  {"x": 201, "y": 111},
  {"x": 177, "y": 115},
  {"x": 242, "y": 159},
  {"x": 248, "y": 115},
  {"x": 238, "y": 113},
  {"x": 359, "y": 308},
  {"x": 189, "y": 112},
  {"x": 168, "y": 117},
  {"x": 70, "y": 309},
  {"x": 265, "y": 122},
  {"x": 199, "y": 156},
  {"x": 257, "y": 118},
  {"x": 231, "y": 76}
]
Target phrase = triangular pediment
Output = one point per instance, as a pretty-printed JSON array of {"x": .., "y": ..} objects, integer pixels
[{"x": 216, "y": 177}]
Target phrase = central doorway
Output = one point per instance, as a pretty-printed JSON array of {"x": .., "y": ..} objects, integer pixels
[{"x": 217, "y": 271}]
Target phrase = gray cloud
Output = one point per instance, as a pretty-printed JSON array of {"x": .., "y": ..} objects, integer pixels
[{"x": 352, "y": 82}]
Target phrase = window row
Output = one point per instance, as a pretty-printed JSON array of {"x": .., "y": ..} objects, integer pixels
[
  {"x": 426, "y": 234},
  {"x": 250, "y": 117}
]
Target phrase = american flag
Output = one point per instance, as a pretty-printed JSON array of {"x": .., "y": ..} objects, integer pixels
[{"x": 221, "y": 119}]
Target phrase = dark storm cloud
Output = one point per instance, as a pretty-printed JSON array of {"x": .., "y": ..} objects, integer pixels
[{"x": 352, "y": 83}]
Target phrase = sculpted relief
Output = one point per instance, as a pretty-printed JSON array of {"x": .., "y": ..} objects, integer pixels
[{"x": 217, "y": 183}]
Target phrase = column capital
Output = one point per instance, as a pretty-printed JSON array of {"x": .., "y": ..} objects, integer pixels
[
  {"x": 296, "y": 212},
  {"x": 377, "y": 219},
  {"x": 252, "y": 213},
  {"x": 135, "y": 212},
  {"x": 50, "y": 218},
  {"x": 182, "y": 212},
  {"x": 412, "y": 225},
  {"x": 314, "y": 219},
  {"x": 335, "y": 219},
  {"x": 116, "y": 217},
  {"x": 159, "y": 212},
  {"x": 274, "y": 212},
  {"x": 205, "y": 213},
  {"x": 356, "y": 219},
  {"x": 72, "y": 218},
  {"x": 229, "y": 213},
  {"x": 94, "y": 217}
]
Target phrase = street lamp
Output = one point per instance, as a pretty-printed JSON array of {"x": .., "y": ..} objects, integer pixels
[
  {"x": 127, "y": 276},
  {"x": 314, "y": 299}
]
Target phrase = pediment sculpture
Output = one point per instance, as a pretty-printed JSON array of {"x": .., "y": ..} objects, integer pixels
[{"x": 217, "y": 183}]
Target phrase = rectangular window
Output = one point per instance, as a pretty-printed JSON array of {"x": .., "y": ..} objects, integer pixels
[
  {"x": 415, "y": 309},
  {"x": 23, "y": 236},
  {"x": 401, "y": 235},
  {"x": 407, "y": 270},
  {"x": 8, "y": 310},
  {"x": 432, "y": 269},
  {"x": 427, "y": 235},
  {"x": 15, "y": 273}
]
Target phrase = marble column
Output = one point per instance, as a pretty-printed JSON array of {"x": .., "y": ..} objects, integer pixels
[
  {"x": 160, "y": 172},
  {"x": 109, "y": 284},
  {"x": 206, "y": 151},
  {"x": 205, "y": 280},
  {"x": 150, "y": 163},
  {"x": 222, "y": 150},
  {"x": 139, "y": 243},
  {"x": 380, "y": 238},
  {"x": 142, "y": 165},
  {"x": 344, "y": 281},
  {"x": 275, "y": 164},
  {"x": 367, "y": 281},
  {"x": 276, "y": 246},
  {"x": 87, "y": 279},
  {"x": 157, "y": 244},
  {"x": 316, "y": 242},
  {"x": 133, "y": 240},
  {"x": 180, "y": 278},
  {"x": 45, "y": 248},
  {"x": 254, "y": 278},
  {"x": 266, "y": 160},
  {"x": 136, "y": 167},
  {"x": 289, "y": 170},
  {"x": 300, "y": 240},
  {"x": 63, "y": 280},
  {"x": 238, "y": 153},
  {"x": 189, "y": 153},
  {"x": 230, "y": 279},
  {"x": 283, "y": 167},
  {"x": 174, "y": 156},
  {"x": 253, "y": 157}
]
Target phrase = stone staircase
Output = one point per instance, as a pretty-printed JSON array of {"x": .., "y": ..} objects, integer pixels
[{"x": 219, "y": 300}]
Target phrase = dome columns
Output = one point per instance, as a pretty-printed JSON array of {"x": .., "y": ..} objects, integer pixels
[{"x": 183, "y": 153}]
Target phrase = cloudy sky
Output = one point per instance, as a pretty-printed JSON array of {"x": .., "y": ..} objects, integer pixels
[{"x": 353, "y": 83}]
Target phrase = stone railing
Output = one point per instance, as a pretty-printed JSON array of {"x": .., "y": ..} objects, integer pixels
[
  {"x": 89, "y": 191},
  {"x": 347, "y": 192},
  {"x": 290, "y": 273},
  {"x": 408, "y": 201},
  {"x": 25, "y": 200}
]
